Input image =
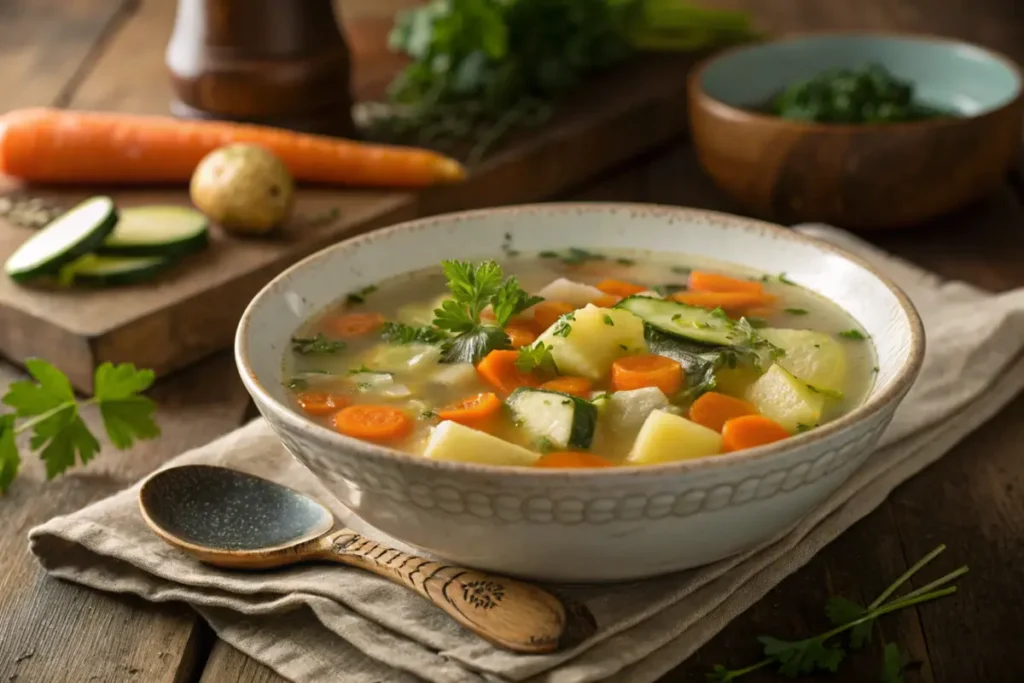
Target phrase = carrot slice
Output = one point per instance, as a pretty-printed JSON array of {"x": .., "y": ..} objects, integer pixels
[
  {"x": 571, "y": 459},
  {"x": 619, "y": 287},
  {"x": 320, "y": 402},
  {"x": 733, "y": 303},
  {"x": 47, "y": 145},
  {"x": 498, "y": 368},
  {"x": 577, "y": 386},
  {"x": 607, "y": 301},
  {"x": 701, "y": 281},
  {"x": 761, "y": 312},
  {"x": 520, "y": 335},
  {"x": 714, "y": 409},
  {"x": 750, "y": 431},
  {"x": 373, "y": 423},
  {"x": 547, "y": 313},
  {"x": 637, "y": 372},
  {"x": 473, "y": 410},
  {"x": 356, "y": 324}
]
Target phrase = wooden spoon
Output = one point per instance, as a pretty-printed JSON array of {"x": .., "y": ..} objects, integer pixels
[{"x": 235, "y": 520}]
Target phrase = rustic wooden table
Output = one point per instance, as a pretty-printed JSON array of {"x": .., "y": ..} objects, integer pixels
[{"x": 108, "y": 54}]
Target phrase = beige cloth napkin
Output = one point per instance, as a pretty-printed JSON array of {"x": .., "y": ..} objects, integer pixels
[{"x": 315, "y": 624}]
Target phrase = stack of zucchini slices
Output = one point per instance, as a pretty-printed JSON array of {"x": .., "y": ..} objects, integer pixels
[{"x": 96, "y": 244}]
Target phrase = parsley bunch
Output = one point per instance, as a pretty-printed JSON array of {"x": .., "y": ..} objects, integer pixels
[
  {"x": 474, "y": 288},
  {"x": 825, "y": 652},
  {"x": 47, "y": 407}
]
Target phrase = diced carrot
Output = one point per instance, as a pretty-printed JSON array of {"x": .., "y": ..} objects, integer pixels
[
  {"x": 750, "y": 431},
  {"x": 373, "y": 423},
  {"x": 701, "y": 281},
  {"x": 733, "y": 303},
  {"x": 356, "y": 324},
  {"x": 321, "y": 402},
  {"x": 761, "y": 312},
  {"x": 498, "y": 368},
  {"x": 577, "y": 386},
  {"x": 472, "y": 411},
  {"x": 571, "y": 459},
  {"x": 714, "y": 409},
  {"x": 547, "y": 313},
  {"x": 520, "y": 335},
  {"x": 607, "y": 301},
  {"x": 637, "y": 372},
  {"x": 63, "y": 146},
  {"x": 619, "y": 287}
]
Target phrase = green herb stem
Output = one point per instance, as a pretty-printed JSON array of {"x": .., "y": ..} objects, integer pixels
[{"x": 906, "y": 576}]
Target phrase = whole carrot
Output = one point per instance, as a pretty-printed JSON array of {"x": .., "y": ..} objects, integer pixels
[{"x": 59, "y": 146}]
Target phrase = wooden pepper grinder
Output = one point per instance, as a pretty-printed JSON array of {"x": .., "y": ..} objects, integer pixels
[{"x": 283, "y": 63}]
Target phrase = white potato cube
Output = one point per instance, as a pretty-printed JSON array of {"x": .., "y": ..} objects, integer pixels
[
  {"x": 575, "y": 293},
  {"x": 779, "y": 395},
  {"x": 594, "y": 339},
  {"x": 666, "y": 437},
  {"x": 453, "y": 441}
]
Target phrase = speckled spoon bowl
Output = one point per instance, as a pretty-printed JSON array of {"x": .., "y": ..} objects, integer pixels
[{"x": 236, "y": 520}]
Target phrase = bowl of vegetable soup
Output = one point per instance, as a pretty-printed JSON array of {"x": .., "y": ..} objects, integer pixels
[
  {"x": 580, "y": 392},
  {"x": 862, "y": 130}
]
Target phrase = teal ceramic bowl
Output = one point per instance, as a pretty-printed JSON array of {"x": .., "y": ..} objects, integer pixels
[{"x": 857, "y": 175}]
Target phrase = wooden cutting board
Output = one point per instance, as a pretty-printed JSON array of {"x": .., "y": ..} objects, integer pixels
[{"x": 192, "y": 310}]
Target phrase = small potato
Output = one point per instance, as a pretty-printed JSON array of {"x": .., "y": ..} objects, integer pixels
[{"x": 244, "y": 188}]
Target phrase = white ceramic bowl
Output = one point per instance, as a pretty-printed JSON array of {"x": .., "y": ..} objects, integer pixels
[{"x": 582, "y": 526}]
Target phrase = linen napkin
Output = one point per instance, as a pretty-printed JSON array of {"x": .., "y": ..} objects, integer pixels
[{"x": 315, "y": 624}]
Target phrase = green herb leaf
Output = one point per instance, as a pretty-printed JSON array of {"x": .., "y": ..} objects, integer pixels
[
  {"x": 796, "y": 311},
  {"x": 359, "y": 297},
  {"x": 841, "y": 611},
  {"x": 781, "y": 277},
  {"x": 831, "y": 393},
  {"x": 625, "y": 261},
  {"x": 855, "y": 335},
  {"x": 608, "y": 320},
  {"x": 400, "y": 333},
  {"x": 536, "y": 358},
  {"x": 894, "y": 661},
  {"x": 564, "y": 327},
  {"x": 803, "y": 656},
  {"x": 10, "y": 461},
  {"x": 473, "y": 345},
  {"x": 318, "y": 345},
  {"x": 511, "y": 300},
  {"x": 127, "y": 415},
  {"x": 681, "y": 270}
]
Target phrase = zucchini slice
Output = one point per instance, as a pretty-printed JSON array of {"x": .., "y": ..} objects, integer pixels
[
  {"x": 78, "y": 231},
  {"x": 688, "y": 322},
  {"x": 92, "y": 269},
  {"x": 566, "y": 421},
  {"x": 157, "y": 231}
]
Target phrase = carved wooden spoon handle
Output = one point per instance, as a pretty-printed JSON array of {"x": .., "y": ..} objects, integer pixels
[{"x": 508, "y": 613}]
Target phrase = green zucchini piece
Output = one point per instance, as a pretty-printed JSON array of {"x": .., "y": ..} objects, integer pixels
[
  {"x": 78, "y": 231},
  {"x": 688, "y": 322},
  {"x": 93, "y": 269},
  {"x": 157, "y": 231},
  {"x": 564, "y": 420}
]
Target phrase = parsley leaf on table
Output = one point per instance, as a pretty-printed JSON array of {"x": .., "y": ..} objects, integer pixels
[
  {"x": 47, "y": 406},
  {"x": 802, "y": 656},
  {"x": 894, "y": 661},
  {"x": 841, "y": 611}
]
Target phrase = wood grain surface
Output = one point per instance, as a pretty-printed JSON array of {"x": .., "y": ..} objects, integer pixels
[{"x": 971, "y": 500}]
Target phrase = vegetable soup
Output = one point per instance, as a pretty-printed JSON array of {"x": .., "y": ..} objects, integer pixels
[{"x": 579, "y": 359}]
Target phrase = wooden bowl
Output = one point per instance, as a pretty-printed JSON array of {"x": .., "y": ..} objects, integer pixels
[{"x": 857, "y": 176}]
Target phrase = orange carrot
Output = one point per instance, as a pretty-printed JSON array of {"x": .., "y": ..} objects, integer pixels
[
  {"x": 320, "y": 402},
  {"x": 714, "y": 409},
  {"x": 607, "y": 301},
  {"x": 60, "y": 146},
  {"x": 577, "y": 386},
  {"x": 356, "y": 324},
  {"x": 520, "y": 335},
  {"x": 750, "y": 431},
  {"x": 373, "y": 423},
  {"x": 733, "y": 303},
  {"x": 702, "y": 281},
  {"x": 547, "y": 313},
  {"x": 637, "y": 372},
  {"x": 472, "y": 411},
  {"x": 571, "y": 459},
  {"x": 761, "y": 312},
  {"x": 498, "y": 368},
  {"x": 619, "y": 288}
]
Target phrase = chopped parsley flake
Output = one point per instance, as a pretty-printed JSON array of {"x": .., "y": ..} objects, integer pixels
[
  {"x": 855, "y": 335},
  {"x": 359, "y": 296},
  {"x": 608, "y": 320},
  {"x": 796, "y": 311}
]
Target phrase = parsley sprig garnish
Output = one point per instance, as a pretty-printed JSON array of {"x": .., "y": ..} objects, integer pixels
[
  {"x": 536, "y": 358},
  {"x": 47, "y": 407},
  {"x": 474, "y": 288},
  {"x": 400, "y": 333},
  {"x": 317, "y": 345},
  {"x": 825, "y": 652}
]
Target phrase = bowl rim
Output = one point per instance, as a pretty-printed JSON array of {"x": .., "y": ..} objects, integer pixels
[
  {"x": 696, "y": 92},
  {"x": 870, "y": 408}
]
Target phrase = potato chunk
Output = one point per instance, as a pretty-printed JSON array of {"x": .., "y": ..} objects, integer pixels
[
  {"x": 666, "y": 438},
  {"x": 786, "y": 399},
  {"x": 589, "y": 343},
  {"x": 453, "y": 441}
]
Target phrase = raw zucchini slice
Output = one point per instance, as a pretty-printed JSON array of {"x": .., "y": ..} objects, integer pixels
[
  {"x": 93, "y": 269},
  {"x": 157, "y": 231},
  {"x": 786, "y": 399},
  {"x": 688, "y": 322},
  {"x": 814, "y": 357},
  {"x": 78, "y": 231},
  {"x": 566, "y": 421}
]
